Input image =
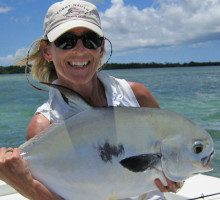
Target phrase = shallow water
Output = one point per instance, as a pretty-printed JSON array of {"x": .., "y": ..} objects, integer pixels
[{"x": 193, "y": 92}]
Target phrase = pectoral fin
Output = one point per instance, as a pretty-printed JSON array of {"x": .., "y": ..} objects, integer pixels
[{"x": 141, "y": 162}]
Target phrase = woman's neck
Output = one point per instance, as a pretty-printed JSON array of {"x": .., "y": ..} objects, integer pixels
[{"x": 93, "y": 91}]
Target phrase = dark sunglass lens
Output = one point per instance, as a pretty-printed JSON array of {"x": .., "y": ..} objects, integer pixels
[
  {"x": 66, "y": 41},
  {"x": 92, "y": 40}
]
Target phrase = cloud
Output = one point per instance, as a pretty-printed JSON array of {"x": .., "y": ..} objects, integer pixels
[
  {"x": 8, "y": 60},
  {"x": 165, "y": 23},
  {"x": 95, "y": 1},
  {"x": 23, "y": 20},
  {"x": 5, "y": 9}
]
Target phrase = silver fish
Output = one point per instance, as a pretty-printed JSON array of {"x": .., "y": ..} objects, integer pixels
[{"x": 105, "y": 153}]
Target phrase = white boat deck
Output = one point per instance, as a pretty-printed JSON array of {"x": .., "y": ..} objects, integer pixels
[
  {"x": 8, "y": 193},
  {"x": 198, "y": 186},
  {"x": 194, "y": 187}
]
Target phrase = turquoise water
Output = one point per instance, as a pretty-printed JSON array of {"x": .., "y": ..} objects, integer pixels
[{"x": 193, "y": 92}]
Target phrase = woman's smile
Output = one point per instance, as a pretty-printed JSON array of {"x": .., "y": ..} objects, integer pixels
[{"x": 79, "y": 65}]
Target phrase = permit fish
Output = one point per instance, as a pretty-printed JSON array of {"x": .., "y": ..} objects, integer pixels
[{"x": 104, "y": 153}]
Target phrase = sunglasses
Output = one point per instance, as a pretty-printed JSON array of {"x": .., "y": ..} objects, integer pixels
[{"x": 68, "y": 40}]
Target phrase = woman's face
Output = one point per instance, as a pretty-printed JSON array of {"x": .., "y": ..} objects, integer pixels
[{"x": 77, "y": 65}]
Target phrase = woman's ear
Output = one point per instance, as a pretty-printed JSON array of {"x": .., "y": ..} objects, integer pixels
[{"x": 45, "y": 48}]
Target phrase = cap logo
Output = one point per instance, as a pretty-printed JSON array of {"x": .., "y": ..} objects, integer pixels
[{"x": 74, "y": 12}]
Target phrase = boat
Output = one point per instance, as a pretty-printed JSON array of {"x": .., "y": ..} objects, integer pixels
[{"x": 200, "y": 186}]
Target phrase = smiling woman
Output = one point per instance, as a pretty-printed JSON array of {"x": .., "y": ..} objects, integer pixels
[{"x": 70, "y": 53}]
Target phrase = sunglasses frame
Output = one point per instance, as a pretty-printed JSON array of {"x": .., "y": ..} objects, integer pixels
[{"x": 90, "y": 40}]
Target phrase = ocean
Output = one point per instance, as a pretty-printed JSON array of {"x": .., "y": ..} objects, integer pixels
[{"x": 190, "y": 91}]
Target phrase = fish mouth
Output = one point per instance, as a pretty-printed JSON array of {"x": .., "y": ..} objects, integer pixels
[{"x": 206, "y": 161}]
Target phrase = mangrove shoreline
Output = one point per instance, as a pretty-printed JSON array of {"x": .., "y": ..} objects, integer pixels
[{"x": 17, "y": 69}]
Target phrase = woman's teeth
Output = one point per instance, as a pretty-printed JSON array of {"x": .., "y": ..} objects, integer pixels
[{"x": 78, "y": 64}]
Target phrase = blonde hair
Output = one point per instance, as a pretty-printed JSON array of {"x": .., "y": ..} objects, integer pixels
[{"x": 41, "y": 69}]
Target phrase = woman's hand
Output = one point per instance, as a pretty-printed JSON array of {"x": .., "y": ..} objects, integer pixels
[
  {"x": 13, "y": 168},
  {"x": 171, "y": 187},
  {"x": 15, "y": 172}
]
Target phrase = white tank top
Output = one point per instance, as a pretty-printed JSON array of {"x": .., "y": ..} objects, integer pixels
[{"x": 118, "y": 93}]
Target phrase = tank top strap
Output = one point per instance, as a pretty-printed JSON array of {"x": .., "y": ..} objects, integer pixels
[{"x": 118, "y": 91}]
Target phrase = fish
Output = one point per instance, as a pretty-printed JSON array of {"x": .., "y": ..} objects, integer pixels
[{"x": 110, "y": 153}]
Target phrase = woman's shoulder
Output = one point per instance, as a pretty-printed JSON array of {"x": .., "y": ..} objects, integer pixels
[
  {"x": 37, "y": 124},
  {"x": 143, "y": 95}
]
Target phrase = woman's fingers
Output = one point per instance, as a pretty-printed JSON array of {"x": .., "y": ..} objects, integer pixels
[{"x": 171, "y": 185}]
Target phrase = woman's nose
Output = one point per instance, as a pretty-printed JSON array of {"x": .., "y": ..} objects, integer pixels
[{"x": 79, "y": 46}]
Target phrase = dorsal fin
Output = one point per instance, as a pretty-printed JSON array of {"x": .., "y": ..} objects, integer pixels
[{"x": 76, "y": 102}]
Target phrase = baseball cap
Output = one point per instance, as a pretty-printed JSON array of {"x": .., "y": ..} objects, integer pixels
[{"x": 68, "y": 14}]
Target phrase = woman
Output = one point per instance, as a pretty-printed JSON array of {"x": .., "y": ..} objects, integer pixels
[{"x": 70, "y": 53}]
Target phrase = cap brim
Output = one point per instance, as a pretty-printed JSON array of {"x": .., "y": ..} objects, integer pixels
[{"x": 64, "y": 27}]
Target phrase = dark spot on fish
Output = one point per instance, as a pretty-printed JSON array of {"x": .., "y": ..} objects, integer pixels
[{"x": 107, "y": 151}]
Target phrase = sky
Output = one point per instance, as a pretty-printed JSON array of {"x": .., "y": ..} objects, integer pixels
[{"x": 141, "y": 31}]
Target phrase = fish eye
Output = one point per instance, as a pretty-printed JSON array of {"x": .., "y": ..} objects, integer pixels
[{"x": 198, "y": 147}]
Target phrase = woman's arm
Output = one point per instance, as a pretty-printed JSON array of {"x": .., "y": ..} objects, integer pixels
[
  {"x": 144, "y": 97},
  {"x": 37, "y": 124}
]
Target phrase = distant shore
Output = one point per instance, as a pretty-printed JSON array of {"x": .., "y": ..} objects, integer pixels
[{"x": 16, "y": 69}]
